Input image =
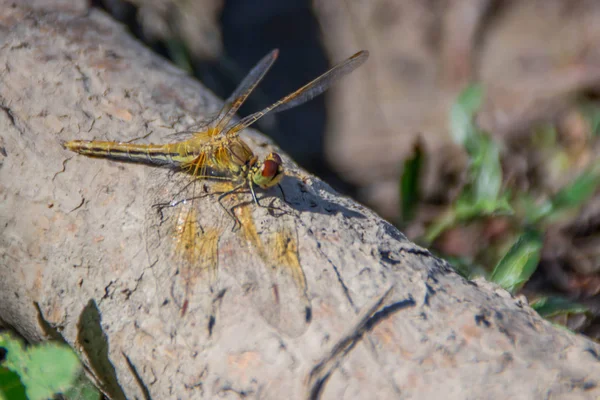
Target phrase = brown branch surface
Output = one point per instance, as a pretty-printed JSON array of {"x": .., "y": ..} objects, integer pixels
[{"x": 85, "y": 256}]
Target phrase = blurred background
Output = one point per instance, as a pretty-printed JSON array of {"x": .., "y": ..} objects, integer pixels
[{"x": 473, "y": 126}]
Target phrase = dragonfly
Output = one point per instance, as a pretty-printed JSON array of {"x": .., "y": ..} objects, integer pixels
[{"x": 218, "y": 153}]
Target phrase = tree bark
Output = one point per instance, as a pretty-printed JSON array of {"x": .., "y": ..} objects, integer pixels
[{"x": 87, "y": 258}]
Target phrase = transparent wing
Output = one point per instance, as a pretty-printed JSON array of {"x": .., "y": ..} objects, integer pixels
[
  {"x": 241, "y": 93},
  {"x": 232, "y": 104},
  {"x": 181, "y": 246},
  {"x": 194, "y": 253},
  {"x": 201, "y": 126},
  {"x": 272, "y": 273},
  {"x": 306, "y": 92}
]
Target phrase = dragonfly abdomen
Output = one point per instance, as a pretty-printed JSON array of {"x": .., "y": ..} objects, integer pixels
[{"x": 153, "y": 154}]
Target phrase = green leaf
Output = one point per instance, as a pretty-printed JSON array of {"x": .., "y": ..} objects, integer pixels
[
  {"x": 44, "y": 369},
  {"x": 482, "y": 196},
  {"x": 464, "y": 210},
  {"x": 51, "y": 368},
  {"x": 577, "y": 192},
  {"x": 439, "y": 225},
  {"x": 467, "y": 208},
  {"x": 179, "y": 53},
  {"x": 549, "y": 307},
  {"x": 409, "y": 183},
  {"x": 531, "y": 210},
  {"x": 486, "y": 170},
  {"x": 465, "y": 267},
  {"x": 11, "y": 386},
  {"x": 468, "y": 102},
  {"x": 13, "y": 347},
  {"x": 521, "y": 261}
]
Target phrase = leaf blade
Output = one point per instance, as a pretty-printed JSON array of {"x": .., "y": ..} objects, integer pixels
[{"x": 520, "y": 262}]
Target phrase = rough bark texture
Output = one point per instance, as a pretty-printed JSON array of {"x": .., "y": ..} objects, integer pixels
[{"x": 387, "y": 319}]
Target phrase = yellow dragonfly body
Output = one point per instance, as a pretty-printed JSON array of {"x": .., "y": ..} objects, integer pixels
[
  {"x": 219, "y": 149},
  {"x": 218, "y": 152}
]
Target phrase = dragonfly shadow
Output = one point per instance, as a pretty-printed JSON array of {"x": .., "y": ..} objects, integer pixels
[{"x": 303, "y": 198}]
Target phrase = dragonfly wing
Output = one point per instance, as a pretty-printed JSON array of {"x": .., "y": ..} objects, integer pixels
[
  {"x": 306, "y": 92},
  {"x": 288, "y": 285},
  {"x": 244, "y": 89},
  {"x": 275, "y": 279},
  {"x": 201, "y": 127},
  {"x": 181, "y": 249}
]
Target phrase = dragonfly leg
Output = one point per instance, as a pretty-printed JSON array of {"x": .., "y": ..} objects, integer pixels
[
  {"x": 161, "y": 206},
  {"x": 270, "y": 208},
  {"x": 175, "y": 203},
  {"x": 230, "y": 211},
  {"x": 253, "y": 193}
]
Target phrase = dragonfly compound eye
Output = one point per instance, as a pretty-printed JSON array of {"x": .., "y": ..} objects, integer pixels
[{"x": 270, "y": 172}]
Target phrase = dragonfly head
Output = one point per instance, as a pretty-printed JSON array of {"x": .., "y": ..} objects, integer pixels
[{"x": 269, "y": 172}]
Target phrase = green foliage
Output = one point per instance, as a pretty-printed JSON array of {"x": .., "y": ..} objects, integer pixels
[
  {"x": 409, "y": 183},
  {"x": 577, "y": 192},
  {"x": 37, "y": 372},
  {"x": 486, "y": 171},
  {"x": 462, "y": 128},
  {"x": 443, "y": 222},
  {"x": 483, "y": 195},
  {"x": 179, "y": 54},
  {"x": 11, "y": 386},
  {"x": 553, "y": 306},
  {"x": 466, "y": 268},
  {"x": 532, "y": 211},
  {"x": 570, "y": 197},
  {"x": 517, "y": 266}
]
